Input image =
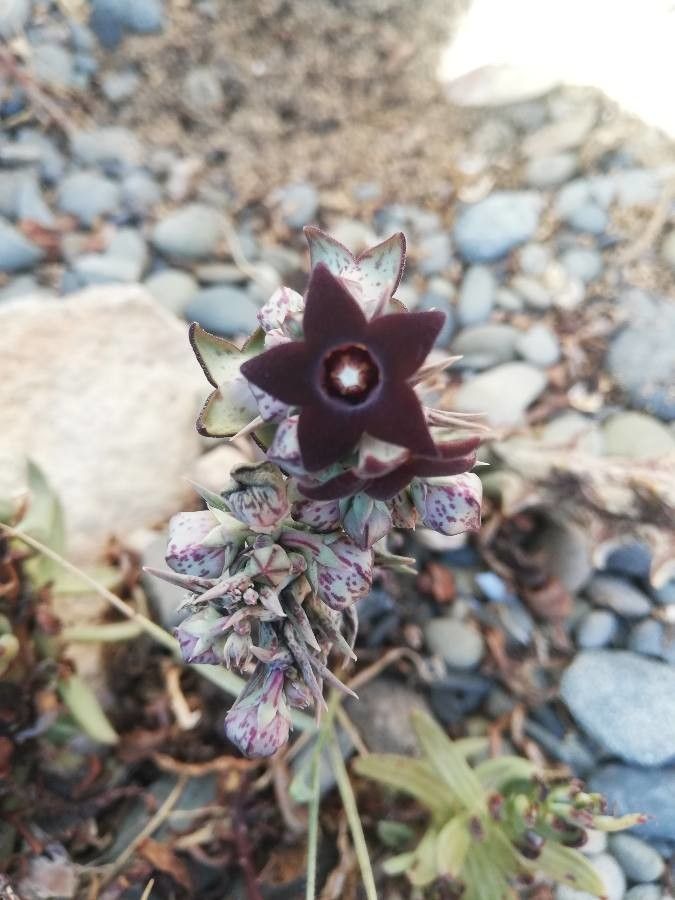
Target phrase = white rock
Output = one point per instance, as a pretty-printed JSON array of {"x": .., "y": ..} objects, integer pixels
[
  {"x": 101, "y": 391},
  {"x": 503, "y": 393}
]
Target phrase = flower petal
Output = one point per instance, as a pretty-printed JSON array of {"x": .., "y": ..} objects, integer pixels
[
  {"x": 332, "y": 315},
  {"x": 285, "y": 304},
  {"x": 282, "y": 372},
  {"x": 403, "y": 341},
  {"x": 326, "y": 434},
  {"x": 324, "y": 248},
  {"x": 397, "y": 417},
  {"x": 321, "y": 515},
  {"x": 343, "y": 485},
  {"x": 377, "y": 458},
  {"x": 285, "y": 448},
  {"x": 379, "y": 272}
]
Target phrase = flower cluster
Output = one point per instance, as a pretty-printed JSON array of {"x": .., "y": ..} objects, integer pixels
[{"x": 332, "y": 389}]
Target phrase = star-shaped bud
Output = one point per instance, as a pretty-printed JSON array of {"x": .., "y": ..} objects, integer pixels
[
  {"x": 349, "y": 375},
  {"x": 371, "y": 277}
]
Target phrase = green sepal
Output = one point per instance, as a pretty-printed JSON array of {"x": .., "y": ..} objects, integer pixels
[{"x": 224, "y": 413}]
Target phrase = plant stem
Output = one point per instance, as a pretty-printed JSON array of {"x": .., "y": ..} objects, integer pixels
[
  {"x": 221, "y": 677},
  {"x": 352, "y": 813},
  {"x": 313, "y": 812}
]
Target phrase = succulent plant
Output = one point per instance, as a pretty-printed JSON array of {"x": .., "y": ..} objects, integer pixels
[
  {"x": 332, "y": 388},
  {"x": 493, "y": 823}
]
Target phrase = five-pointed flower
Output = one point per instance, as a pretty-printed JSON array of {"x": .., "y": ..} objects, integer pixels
[{"x": 349, "y": 376}]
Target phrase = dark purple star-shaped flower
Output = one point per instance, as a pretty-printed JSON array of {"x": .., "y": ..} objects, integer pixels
[
  {"x": 349, "y": 376},
  {"x": 452, "y": 458}
]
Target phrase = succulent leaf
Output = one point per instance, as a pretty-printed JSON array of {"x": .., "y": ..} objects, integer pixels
[
  {"x": 231, "y": 406},
  {"x": 569, "y": 867},
  {"x": 452, "y": 846},
  {"x": 450, "y": 765},
  {"x": 410, "y": 776},
  {"x": 371, "y": 277}
]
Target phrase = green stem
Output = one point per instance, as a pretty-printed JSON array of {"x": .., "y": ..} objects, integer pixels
[
  {"x": 223, "y": 678},
  {"x": 352, "y": 813},
  {"x": 314, "y": 803}
]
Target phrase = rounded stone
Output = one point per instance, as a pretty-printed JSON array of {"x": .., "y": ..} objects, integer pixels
[
  {"x": 476, "y": 296},
  {"x": 612, "y": 877},
  {"x": 641, "y": 357},
  {"x": 16, "y": 251},
  {"x": 190, "y": 233},
  {"x": 637, "y": 435},
  {"x": 534, "y": 258},
  {"x": 625, "y": 702},
  {"x": 223, "y": 310},
  {"x": 140, "y": 193},
  {"x": 173, "y": 288},
  {"x": 13, "y": 17},
  {"x": 489, "y": 229},
  {"x": 618, "y": 595},
  {"x": 432, "y": 300},
  {"x": 434, "y": 253},
  {"x": 502, "y": 394},
  {"x": 110, "y": 147},
  {"x": 550, "y": 171},
  {"x": 645, "y": 892},
  {"x": 596, "y": 629},
  {"x": 483, "y": 346},
  {"x": 539, "y": 346},
  {"x": 639, "y": 861},
  {"x": 583, "y": 263},
  {"x": 298, "y": 203},
  {"x": 460, "y": 645},
  {"x": 88, "y": 196}
]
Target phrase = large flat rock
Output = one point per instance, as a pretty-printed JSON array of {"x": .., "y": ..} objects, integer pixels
[{"x": 101, "y": 390}]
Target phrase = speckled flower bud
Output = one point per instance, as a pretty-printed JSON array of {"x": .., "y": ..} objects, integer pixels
[
  {"x": 342, "y": 585},
  {"x": 259, "y": 722},
  {"x": 257, "y": 496},
  {"x": 321, "y": 515},
  {"x": 186, "y": 552},
  {"x": 365, "y": 520},
  {"x": 199, "y": 638},
  {"x": 450, "y": 504}
]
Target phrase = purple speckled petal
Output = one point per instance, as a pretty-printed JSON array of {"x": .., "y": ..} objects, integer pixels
[
  {"x": 257, "y": 496},
  {"x": 185, "y": 552},
  {"x": 285, "y": 448},
  {"x": 321, "y": 515},
  {"x": 270, "y": 409},
  {"x": 449, "y": 505},
  {"x": 283, "y": 309},
  {"x": 342, "y": 586},
  {"x": 259, "y": 722},
  {"x": 377, "y": 458}
]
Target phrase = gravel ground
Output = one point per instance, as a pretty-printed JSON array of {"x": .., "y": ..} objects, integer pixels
[{"x": 185, "y": 147}]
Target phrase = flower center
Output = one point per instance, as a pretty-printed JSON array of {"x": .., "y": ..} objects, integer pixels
[{"x": 350, "y": 374}]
